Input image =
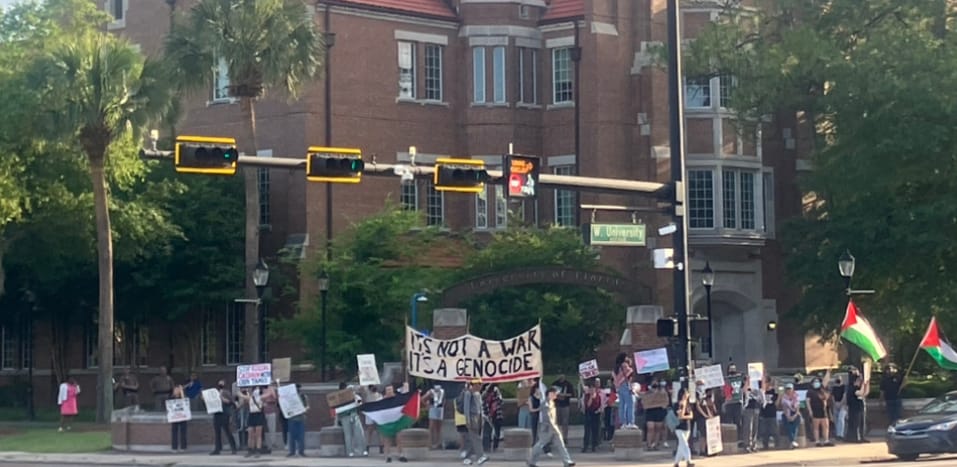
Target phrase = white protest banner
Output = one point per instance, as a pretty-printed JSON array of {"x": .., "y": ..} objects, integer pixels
[
  {"x": 755, "y": 375},
  {"x": 710, "y": 376},
  {"x": 289, "y": 401},
  {"x": 177, "y": 410},
  {"x": 588, "y": 369},
  {"x": 468, "y": 357},
  {"x": 368, "y": 371},
  {"x": 259, "y": 374},
  {"x": 282, "y": 369},
  {"x": 214, "y": 404},
  {"x": 651, "y": 361},
  {"x": 713, "y": 435}
]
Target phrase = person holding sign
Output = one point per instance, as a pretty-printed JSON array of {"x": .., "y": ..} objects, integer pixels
[
  {"x": 256, "y": 420},
  {"x": 626, "y": 397},
  {"x": 178, "y": 429},
  {"x": 297, "y": 428}
]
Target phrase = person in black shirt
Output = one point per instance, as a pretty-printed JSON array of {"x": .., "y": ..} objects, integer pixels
[
  {"x": 839, "y": 408},
  {"x": 749, "y": 419},
  {"x": 563, "y": 403},
  {"x": 855, "y": 396},
  {"x": 891, "y": 393},
  {"x": 818, "y": 404},
  {"x": 768, "y": 421}
]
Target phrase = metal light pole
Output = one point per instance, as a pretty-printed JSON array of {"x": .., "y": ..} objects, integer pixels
[
  {"x": 324, "y": 293},
  {"x": 330, "y": 41},
  {"x": 707, "y": 279},
  {"x": 260, "y": 280},
  {"x": 418, "y": 297},
  {"x": 676, "y": 127}
]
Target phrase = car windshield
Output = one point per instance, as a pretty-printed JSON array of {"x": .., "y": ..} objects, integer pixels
[{"x": 944, "y": 404}]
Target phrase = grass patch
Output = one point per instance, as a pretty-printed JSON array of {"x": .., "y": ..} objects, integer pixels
[{"x": 49, "y": 440}]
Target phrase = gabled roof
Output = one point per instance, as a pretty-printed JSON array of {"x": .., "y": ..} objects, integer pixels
[
  {"x": 428, "y": 8},
  {"x": 564, "y": 9}
]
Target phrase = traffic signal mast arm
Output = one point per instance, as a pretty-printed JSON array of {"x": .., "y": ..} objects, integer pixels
[{"x": 606, "y": 185}]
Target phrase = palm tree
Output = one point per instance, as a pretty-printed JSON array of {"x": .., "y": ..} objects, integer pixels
[
  {"x": 94, "y": 88},
  {"x": 263, "y": 44}
]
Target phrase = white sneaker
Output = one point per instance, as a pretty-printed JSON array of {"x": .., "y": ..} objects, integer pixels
[
  {"x": 482, "y": 460},
  {"x": 794, "y": 444},
  {"x": 467, "y": 461},
  {"x": 665, "y": 444},
  {"x": 463, "y": 454}
]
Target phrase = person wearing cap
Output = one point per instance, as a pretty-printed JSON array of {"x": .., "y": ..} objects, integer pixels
[
  {"x": 474, "y": 419},
  {"x": 549, "y": 432},
  {"x": 791, "y": 407}
]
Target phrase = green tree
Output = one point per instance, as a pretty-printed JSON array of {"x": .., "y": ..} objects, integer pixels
[
  {"x": 873, "y": 83},
  {"x": 263, "y": 44},
  {"x": 95, "y": 89}
]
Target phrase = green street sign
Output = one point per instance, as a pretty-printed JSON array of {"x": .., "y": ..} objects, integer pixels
[{"x": 614, "y": 234}]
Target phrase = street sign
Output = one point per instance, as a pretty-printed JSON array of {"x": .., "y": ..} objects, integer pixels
[
  {"x": 614, "y": 234},
  {"x": 521, "y": 175}
]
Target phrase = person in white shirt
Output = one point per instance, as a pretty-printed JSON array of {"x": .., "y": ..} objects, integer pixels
[{"x": 257, "y": 420}]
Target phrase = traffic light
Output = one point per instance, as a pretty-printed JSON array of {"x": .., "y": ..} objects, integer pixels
[
  {"x": 667, "y": 327},
  {"x": 521, "y": 174},
  {"x": 205, "y": 155},
  {"x": 461, "y": 175},
  {"x": 335, "y": 165}
]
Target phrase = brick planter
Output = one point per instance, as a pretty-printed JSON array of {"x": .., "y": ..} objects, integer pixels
[
  {"x": 332, "y": 442},
  {"x": 414, "y": 443},
  {"x": 149, "y": 432},
  {"x": 628, "y": 444},
  {"x": 518, "y": 444}
]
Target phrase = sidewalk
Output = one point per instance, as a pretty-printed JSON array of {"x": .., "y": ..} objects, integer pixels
[{"x": 842, "y": 454}]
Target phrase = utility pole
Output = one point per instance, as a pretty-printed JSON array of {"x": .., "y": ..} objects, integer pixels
[{"x": 330, "y": 40}]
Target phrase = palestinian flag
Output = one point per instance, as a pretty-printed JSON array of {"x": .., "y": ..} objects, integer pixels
[
  {"x": 858, "y": 331},
  {"x": 393, "y": 414},
  {"x": 938, "y": 347}
]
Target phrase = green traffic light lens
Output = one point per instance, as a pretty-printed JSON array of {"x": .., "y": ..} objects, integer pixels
[{"x": 229, "y": 154}]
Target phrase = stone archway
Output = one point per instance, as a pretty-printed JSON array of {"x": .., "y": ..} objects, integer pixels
[
  {"x": 739, "y": 330},
  {"x": 459, "y": 293}
]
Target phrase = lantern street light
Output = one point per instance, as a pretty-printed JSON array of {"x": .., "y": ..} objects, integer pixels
[
  {"x": 324, "y": 292},
  {"x": 419, "y": 297},
  {"x": 846, "y": 264},
  {"x": 707, "y": 279},
  {"x": 261, "y": 280}
]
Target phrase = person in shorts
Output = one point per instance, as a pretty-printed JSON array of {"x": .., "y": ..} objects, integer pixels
[
  {"x": 257, "y": 420},
  {"x": 436, "y": 400}
]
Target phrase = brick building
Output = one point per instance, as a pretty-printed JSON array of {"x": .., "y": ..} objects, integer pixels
[{"x": 573, "y": 81}]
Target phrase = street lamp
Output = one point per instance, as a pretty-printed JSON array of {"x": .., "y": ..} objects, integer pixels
[
  {"x": 323, "y": 292},
  {"x": 260, "y": 280},
  {"x": 707, "y": 279},
  {"x": 419, "y": 297},
  {"x": 845, "y": 264}
]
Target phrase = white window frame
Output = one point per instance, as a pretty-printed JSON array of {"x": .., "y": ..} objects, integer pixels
[
  {"x": 700, "y": 85},
  {"x": 714, "y": 213},
  {"x": 438, "y": 91},
  {"x": 434, "y": 203},
  {"x": 235, "y": 338},
  {"x": 110, "y": 7},
  {"x": 729, "y": 203},
  {"x": 481, "y": 209},
  {"x": 499, "y": 84},
  {"x": 208, "y": 339},
  {"x": 563, "y": 96},
  {"x": 220, "y": 91},
  {"x": 406, "y": 66},
  {"x": 479, "y": 94},
  {"x": 718, "y": 89},
  {"x": 729, "y": 207},
  {"x": 9, "y": 346},
  {"x": 407, "y": 190},
  {"x": 263, "y": 179},
  {"x": 564, "y": 196}
]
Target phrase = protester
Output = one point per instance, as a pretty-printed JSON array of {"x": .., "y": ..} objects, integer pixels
[
  {"x": 66, "y": 399},
  {"x": 855, "y": 394},
  {"x": 733, "y": 396},
  {"x": 626, "y": 398},
  {"x": 768, "y": 423},
  {"x": 271, "y": 413},
  {"x": 791, "y": 407},
  {"x": 494, "y": 417},
  {"x": 609, "y": 403},
  {"x": 704, "y": 409},
  {"x": 178, "y": 429},
  {"x": 435, "y": 398},
  {"x": 242, "y": 416},
  {"x": 257, "y": 420},
  {"x": 194, "y": 391},
  {"x": 372, "y": 395},
  {"x": 891, "y": 393},
  {"x": 656, "y": 409},
  {"x": 390, "y": 442},
  {"x": 563, "y": 403},
  {"x": 347, "y": 417},
  {"x": 592, "y": 418},
  {"x": 535, "y": 410},
  {"x": 839, "y": 408},
  {"x": 221, "y": 420},
  {"x": 524, "y": 414},
  {"x": 471, "y": 404},
  {"x": 297, "y": 427},
  {"x": 819, "y": 404},
  {"x": 161, "y": 385},
  {"x": 753, "y": 399},
  {"x": 550, "y": 433},
  {"x": 683, "y": 430}
]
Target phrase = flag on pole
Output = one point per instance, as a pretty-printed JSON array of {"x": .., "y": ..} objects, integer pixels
[
  {"x": 938, "y": 347},
  {"x": 858, "y": 331}
]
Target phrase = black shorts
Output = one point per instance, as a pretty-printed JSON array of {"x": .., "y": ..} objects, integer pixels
[
  {"x": 257, "y": 419},
  {"x": 462, "y": 429},
  {"x": 656, "y": 415}
]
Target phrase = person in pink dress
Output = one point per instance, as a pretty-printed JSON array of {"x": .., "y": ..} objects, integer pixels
[{"x": 67, "y": 401}]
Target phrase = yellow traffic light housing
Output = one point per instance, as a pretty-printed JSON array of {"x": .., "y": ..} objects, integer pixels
[
  {"x": 206, "y": 155},
  {"x": 460, "y": 175},
  {"x": 334, "y": 165}
]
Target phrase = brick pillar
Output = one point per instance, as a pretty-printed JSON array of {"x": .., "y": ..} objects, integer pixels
[
  {"x": 449, "y": 323},
  {"x": 641, "y": 328}
]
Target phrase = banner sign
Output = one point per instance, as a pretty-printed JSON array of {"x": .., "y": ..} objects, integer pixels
[
  {"x": 710, "y": 376},
  {"x": 651, "y": 361},
  {"x": 177, "y": 410},
  {"x": 259, "y": 374},
  {"x": 289, "y": 401},
  {"x": 588, "y": 369},
  {"x": 214, "y": 404},
  {"x": 468, "y": 357},
  {"x": 368, "y": 371}
]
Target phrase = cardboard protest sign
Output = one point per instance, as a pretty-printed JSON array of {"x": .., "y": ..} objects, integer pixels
[
  {"x": 177, "y": 410},
  {"x": 368, "y": 371},
  {"x": 651, "y": 361},
  {"x": 713, "y": 435},
  {"x": 522, "y": 395},
  {"x": 655, "y": 400},
  {"x": 282, "y": 369},
  {"x": 259, "y": 374},
  {"x": 468, "y": 357},
  {"x": 711, "y": 376},
  {"x": 339, "y": 398},
  {"x": 213, "y": 403},
  {"x": 589, "y": 369},
  {"x": 755, "y": 375},
  {"x": 289, "y": 401}
]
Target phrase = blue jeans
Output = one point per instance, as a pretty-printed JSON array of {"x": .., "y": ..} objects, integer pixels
[
  {"x": 894, "y": 407},
  {"x": 524, "y": 418},
  {"x": 793, "y": 426},
  {"x": 297, "y": 436},
  {"x": 626, "y": 405}
]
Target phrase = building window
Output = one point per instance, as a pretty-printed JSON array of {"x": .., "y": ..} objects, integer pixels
[
  {"x": 565, "y": 200},
  {"x": 698, "y": 92},
  {"x": 407, "y": 70},
  {"x": 208, "y": 339},
  {"x": 235, "y": 327},
  {"x": 726, "y": 84},
  {"x": 116, "y": 9},
  {"x": 130, "y": 345},
  {"x": 498, "y": 75},
  {"x": 739, "y": 205},
  {"x": 221, "y": 81},
  {"x": 528, "y": 75},
  {"x": 747, "y": 200},
  {"x": 700, "y": 199},
  {"x": 9, "y": 347},
  {"x": 263, "y": 177},
  {"x": 481, "y": 208},
  {"x": 433, "y": 72},
  {"x": 562, "y": 87},
  {"x": 409, "y": 196},
  {"x": 730, "y": 202},
  {"x": 501, "y": 207},
  {"x": 767, "y": 182},
  {"x": 478, "y": 74},
  {"x": 435, "y": 206}
]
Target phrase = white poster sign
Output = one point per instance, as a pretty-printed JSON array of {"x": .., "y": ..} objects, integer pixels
[
  {"x": 282, "y": 369},
  {"x": 755, "y": 375},
  {"x": 651, "y": 361},
  {"x": 467, "y": 357},
  {"x": 177, "y": 410},
  {"x": 713, "y": 429},
  {"x": 589, "y": 369},
  {"x": 259, "y": 374},
  {"x": 710, "y": 376},
  {"x": 213, "y": 403},
  {"x": 289, "y": 401},
  {"x": 368, "y": 371}
]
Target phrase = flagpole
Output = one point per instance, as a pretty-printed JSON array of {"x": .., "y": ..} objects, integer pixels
[{"x": 909, "y": 368}]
